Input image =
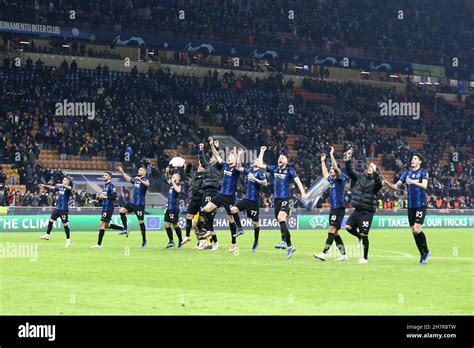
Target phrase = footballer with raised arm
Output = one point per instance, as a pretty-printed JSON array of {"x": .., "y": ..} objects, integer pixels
[
  {"x": 416, "y": 180},
  {"x": 62, "y": 208},
  {"x": 137, "y": 205},
  {"x": 226, "y": 196},
  {"x": 283, "y": 175},
  {"x": 338, "y": 181},
  {"x": 255, "y": 179}
]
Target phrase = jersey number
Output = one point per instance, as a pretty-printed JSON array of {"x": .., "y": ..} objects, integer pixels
[
  {"x": 139, "y": 213},
  {"x": 333, "y": 217},
  {"x": 419, "y": 214},
  {"x": 284, "y": 203},
  {"x": 253, "y": 212},
  {"x": 365, "y": 224}
]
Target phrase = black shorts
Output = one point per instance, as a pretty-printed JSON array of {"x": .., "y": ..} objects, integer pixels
[
  {"x": 336, "y": 216},
  {"x": 207, "y": 197},
  {"x": 360, "y": 219},
  {"x": 251, "y": 207},
  {"x": 224, "y": 201},
  {"x": 194, "y": 205},
  {"x": 416, "y": 215},
  {"x": 139, "y": 210},
  {"x": 107, "y": 215},
  {"x": 172, "y": 215},
  {"x": 63, "y": 214},
  {"x": 282, "y": 204}
]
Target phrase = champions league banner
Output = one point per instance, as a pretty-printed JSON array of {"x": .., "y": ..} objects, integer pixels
[
  {"x": 220, "y": 48},
  {"x": 316, "y": 221}
]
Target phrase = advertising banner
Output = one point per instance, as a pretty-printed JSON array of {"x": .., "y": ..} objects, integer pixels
[
  {"x": 311, "y": 222},
  {"x": 154, "y": 221},
  {"x": 79, "y": 223}
]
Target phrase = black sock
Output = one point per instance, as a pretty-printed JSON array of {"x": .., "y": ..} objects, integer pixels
[
  {"x": 189, "y": 225},
  {"x": 199, "y": 225},
  {"x": 214, "y": 237},
  {"x": 124, "y": 220},
  {"x": 237, "y": 221},
  {"x": 233, "y": 229},
  {"x": 354, "y": 232},
  {"x": 115, "y": 227},
  {"x": 285, "y": 233},
  {"x": 340, "y": 244},
  {"x": 101, "y": 236},
  {"x": 177, "y": 229},
  {"x": 329, "y": 241},
  {"x": 423, "y": 243},
  {"x": 143, "y": 229},
  {"x": 50, "y": 227},
  {"x": 365, "y": 242},
  {"x": 208, "y": 221},
  {"x": 418, "y": 242},
  {"x": 169, "y": 232},
  {"x": 67, "y": 231},
  {"x": 256, "y": 233}
]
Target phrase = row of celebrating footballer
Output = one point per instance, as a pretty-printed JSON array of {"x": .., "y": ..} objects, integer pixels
[{"x": 214, "y": 185}]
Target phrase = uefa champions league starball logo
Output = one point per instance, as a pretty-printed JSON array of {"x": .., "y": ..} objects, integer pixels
[
  {"x": 292, "y": 222},
  {"x": 182, "y": 222}
]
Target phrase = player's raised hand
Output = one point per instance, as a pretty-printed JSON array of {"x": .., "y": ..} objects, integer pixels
[
  {"x": 332, "y": 150},
  {"x": 373, "y": 166},
  {"x": 119, "y": 168},
  {"x": 210, "y": 140},
  {"x": 250, "y": 176},
  {"x": 41, "y": 185},
  {"x": 240, "y": 151},
  {"x": 201, "y": 146},
  {"x": 323, "y": 156},
  {"x": 263, "y": 148},
  {"x": 409, "y": 181},
  {"x": 305, "y": 196}
]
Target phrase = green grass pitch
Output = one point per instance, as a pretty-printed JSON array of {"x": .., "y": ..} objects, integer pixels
[{"x": 123, "y": 279}]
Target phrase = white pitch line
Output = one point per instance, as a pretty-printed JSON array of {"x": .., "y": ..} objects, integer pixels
[{"x": 396, "y": 252}]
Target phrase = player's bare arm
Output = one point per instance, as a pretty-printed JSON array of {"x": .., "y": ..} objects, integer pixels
[
  {"x": 215, "y": 153},
  {"x": 139, "y": 179},
  {"x": 423, "y": 184},
  {"x": 391, "y": 186},
  {"x": 260, "y": 163},
  {"x": 299, "y": 184},
  {"x": 125, "y": 176},
  {"x": 323, "y": 166},
  {"x": 51, "y": 187},
  {"x": 175, "y": 186}
]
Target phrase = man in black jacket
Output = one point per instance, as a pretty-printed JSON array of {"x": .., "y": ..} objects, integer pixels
[
  {"x": 364, "y": 200},
  {"x": 195, "y": 199}
]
